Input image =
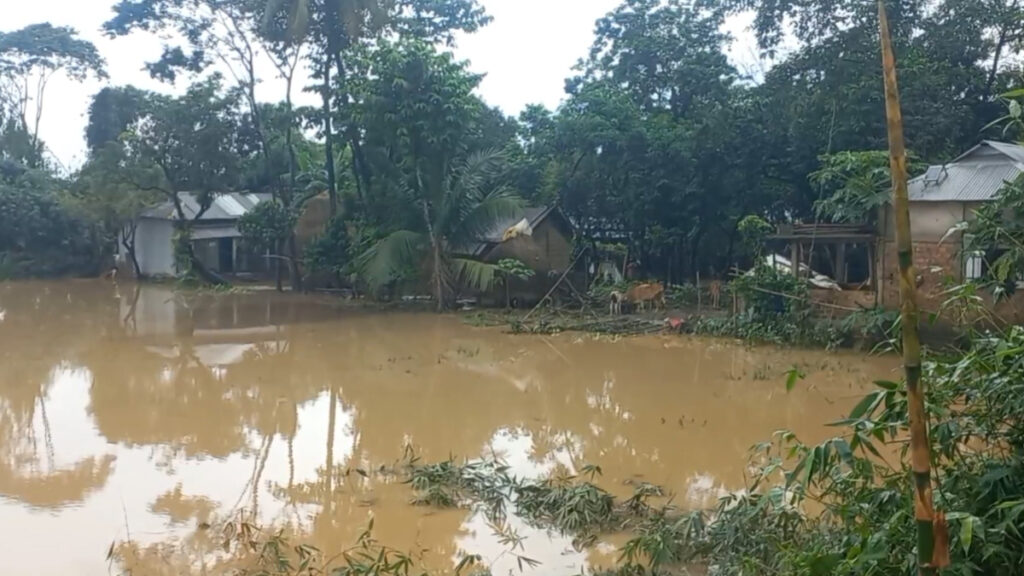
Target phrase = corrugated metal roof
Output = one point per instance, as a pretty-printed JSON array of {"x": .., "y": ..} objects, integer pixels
[
  {"x": 229, "y": 206},
  {"x": 1011, "y": 150},
  {"x": 977, "y": 176},
  {"x": 216, "y": 231}
]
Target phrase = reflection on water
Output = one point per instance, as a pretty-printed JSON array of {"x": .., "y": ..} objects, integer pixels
[{"x": 137, "y": 414}]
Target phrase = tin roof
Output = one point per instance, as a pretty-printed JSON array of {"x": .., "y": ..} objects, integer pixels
[
  {"x": 976, "y": 176},
  {"x": 227, "y": 206}
]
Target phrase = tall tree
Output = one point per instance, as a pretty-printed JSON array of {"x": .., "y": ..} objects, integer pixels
[
  {"x": 339, "y": 31},
  {"x": 29, "y": 58},
  {"x": 420, "y": 118},
  {"x": 182, "y": 143},
  {"x": 231, "y": 35}
]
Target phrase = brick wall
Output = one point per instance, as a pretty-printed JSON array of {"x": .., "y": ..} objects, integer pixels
[
  {"x": 836, "y": 302},
  {"x": 938, "y": 266}
]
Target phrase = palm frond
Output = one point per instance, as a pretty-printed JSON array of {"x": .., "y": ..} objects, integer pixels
[
  {"x": 390, "y": 257},
  {"x": 474, "y": 274},
  {"x": 469, "y": 183},
  {"x": 477, "y": 170},
  {"x": 499, "y": 205}
]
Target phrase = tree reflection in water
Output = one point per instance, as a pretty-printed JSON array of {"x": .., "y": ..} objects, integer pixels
[{"x": 273, "y": 406}]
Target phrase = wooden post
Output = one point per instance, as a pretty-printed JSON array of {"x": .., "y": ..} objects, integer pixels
[
  {"x": 794, "y": 257},
  {"x": 698, "y": 292},
  {"x": 841, "y": 263},
  {"x": 929, "y": 559}
]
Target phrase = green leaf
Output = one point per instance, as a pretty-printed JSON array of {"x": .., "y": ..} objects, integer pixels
[
  {"x": 967, "y": 532},
  {"x": 887, "y": 385},
  {"x": 865, "y": 405},
  {"x": 792, "y": 376}
]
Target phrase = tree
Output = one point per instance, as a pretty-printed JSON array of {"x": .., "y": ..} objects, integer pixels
[
  {"x": 268, "y": 226},
  {"x": 39, "y": 235},
  {"x": 339, "y": 31},
  {"x": 29, "y": 58},
  {"x": 330, "y": 252},
  {"x": 433, "y": 193},
  {"x": 854, "y": 186},
  {"x": 110, "y": 202},
  {"x": 113, "y": 110},
  {"x": 456, "y": 213},
  {"x": 668, "y": 55},
  {"x": 186, "y": 143},
  {"x": 512, "y": 269}
]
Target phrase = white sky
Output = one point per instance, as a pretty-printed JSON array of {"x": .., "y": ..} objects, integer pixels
[{"x": 526, "y": 53}]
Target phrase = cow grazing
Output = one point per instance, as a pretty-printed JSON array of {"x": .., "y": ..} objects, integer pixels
[{"x": 641, "y": 294}]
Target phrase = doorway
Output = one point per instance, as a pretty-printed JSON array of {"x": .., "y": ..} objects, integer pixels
[{"x": 226, "y": 254}]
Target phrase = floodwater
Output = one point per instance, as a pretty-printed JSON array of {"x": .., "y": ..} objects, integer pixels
[{"x": 134, "y": 415}]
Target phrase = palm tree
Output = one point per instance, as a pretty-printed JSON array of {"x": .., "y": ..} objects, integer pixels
[{"x": 456, "y": 215}]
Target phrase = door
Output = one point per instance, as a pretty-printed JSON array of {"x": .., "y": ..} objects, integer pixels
[{"x": 226, "y": 254}]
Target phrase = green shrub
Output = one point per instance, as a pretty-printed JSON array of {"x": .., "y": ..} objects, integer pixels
[
  {"x": 329, "y": 252},
  {"x": 777, "y": 309}
]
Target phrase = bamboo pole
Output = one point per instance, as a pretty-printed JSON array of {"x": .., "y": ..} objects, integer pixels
[{"x": 924, "y": 512}]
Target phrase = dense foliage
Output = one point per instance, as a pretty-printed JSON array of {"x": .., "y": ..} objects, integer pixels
[{"x": 662, "y": 142}]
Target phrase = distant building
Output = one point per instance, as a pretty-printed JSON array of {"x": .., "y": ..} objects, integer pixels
[
  {"x": 941, "y": 199},
  {"x": 862, "y": 258},
  {"x": 215, "y": 236},
  {"x": 542, "y": 239}
]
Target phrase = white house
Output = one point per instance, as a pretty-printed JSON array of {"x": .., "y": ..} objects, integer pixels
[{"x": 215, "y": 236}]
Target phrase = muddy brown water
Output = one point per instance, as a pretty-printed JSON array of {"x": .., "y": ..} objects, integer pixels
[{"x": 134, "y": 414}]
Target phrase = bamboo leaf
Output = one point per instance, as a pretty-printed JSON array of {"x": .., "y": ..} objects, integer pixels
[
  {"x": 865, "y": 405},
  {"x": 967, "y": 532}
]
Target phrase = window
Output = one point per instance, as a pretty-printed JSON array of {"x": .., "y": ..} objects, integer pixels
[
  {"x": 974, "y": 265},
  {"x": 978, "y": 263},
  {"x": 974, "y": 260}
]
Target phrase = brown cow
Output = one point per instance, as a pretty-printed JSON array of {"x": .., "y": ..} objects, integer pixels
[
  {"x": 716, "y": 293},
  {"x": 641, "y": 294}
]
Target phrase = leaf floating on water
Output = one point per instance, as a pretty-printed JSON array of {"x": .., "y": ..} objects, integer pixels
[{"x": 792, "y": 377}]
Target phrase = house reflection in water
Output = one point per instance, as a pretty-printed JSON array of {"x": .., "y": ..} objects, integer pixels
[{"x": 216, "y": 329}]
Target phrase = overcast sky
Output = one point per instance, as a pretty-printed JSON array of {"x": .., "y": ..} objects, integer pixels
[{"x": 526, "y": 53}]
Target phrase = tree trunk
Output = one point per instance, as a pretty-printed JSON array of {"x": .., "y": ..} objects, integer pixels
[
  {"x": 278, "y": 282},
  {"x": 920, "y": 450},
  {"x": 332, "y": 183},
  {"x": 294, "y": 268},
  {"x": 994, "y": 71},
  {"x": 438, "y": 267},
  {"x": 128, "y": 241},
  {"x": 194, "y": 263}
]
